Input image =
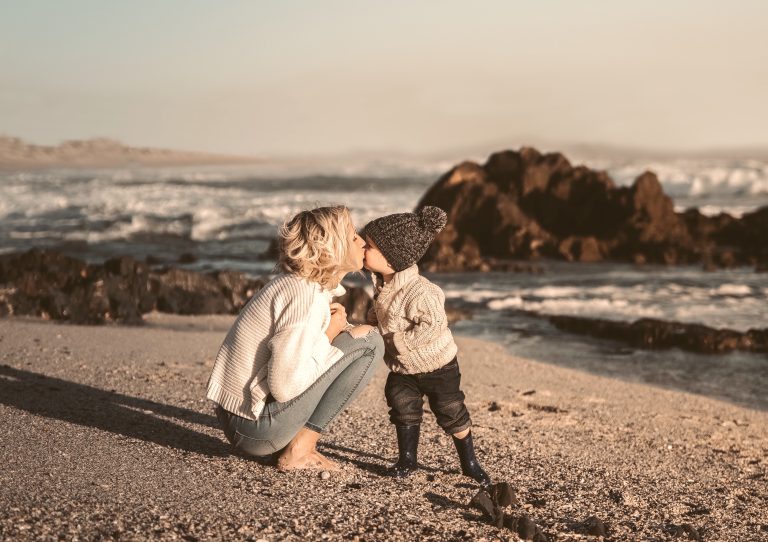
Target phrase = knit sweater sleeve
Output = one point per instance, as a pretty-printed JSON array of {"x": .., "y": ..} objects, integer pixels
[
  {"x": 427, "y": 316},
  {"x": 300, "y": 350}
]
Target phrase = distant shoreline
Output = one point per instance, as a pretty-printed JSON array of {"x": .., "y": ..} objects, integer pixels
[{"x": 16, "y": 154}]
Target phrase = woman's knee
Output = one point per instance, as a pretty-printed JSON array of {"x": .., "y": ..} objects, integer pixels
[
  {"x": 377, "y": 343},
  {"x": 374, "y": 354},
  {"x": 372, "y": 340}
]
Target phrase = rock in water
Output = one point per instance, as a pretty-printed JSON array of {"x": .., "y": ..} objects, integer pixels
[
  {"x": 526, "y": 205},
  {"x": 656, "y": 334}
]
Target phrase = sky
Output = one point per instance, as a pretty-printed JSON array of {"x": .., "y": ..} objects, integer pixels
[{"x": 289, "y": 77}]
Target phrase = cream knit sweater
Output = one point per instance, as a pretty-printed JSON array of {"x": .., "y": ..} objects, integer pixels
[
  {"x": 410, "y": 313},
  {"x": 277, "y": 346}
]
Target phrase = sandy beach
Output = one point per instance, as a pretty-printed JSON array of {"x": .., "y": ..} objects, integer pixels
[{"x": 106, "y": 434}]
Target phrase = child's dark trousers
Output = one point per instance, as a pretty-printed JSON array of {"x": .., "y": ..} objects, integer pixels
[{"x": 405, "y": 398}]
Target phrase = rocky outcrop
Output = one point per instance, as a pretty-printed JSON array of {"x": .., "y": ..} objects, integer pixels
[
  {"x": 658, "y": 334},
  {"x": 526, "y": 205},
  {"x": 53, "y": 286},
  {"x": 58, "y": 287}
]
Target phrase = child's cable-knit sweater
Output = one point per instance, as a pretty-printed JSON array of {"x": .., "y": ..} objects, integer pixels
[
  {"x": 277, "y": 346},
  {"x": 410, "y": 313}
]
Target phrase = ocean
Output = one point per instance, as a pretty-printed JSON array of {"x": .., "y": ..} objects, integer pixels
[{"x": 226, "y": 216}]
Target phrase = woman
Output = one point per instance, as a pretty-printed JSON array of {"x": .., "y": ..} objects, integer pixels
[{"x": 291, "y": 362}]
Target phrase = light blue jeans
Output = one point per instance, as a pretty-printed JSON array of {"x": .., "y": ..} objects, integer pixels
[{"x": 316, "y": 407}]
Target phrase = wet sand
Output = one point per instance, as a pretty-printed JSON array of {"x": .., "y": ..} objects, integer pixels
[{"x": 106, "y": 434}]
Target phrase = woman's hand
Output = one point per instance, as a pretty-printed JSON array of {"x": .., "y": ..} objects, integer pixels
[
  {"x": 338, "y": 321},
  {"x": 360, "y": 331}
]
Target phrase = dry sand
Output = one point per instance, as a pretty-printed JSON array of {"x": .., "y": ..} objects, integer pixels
[{"x": 106, "y": 434}]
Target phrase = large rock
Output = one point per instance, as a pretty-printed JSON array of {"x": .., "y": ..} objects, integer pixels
[
  {"x": 527, "y": 205},
  {"x": 746, "y": 237},
  {"x": 58, "y": 287}
]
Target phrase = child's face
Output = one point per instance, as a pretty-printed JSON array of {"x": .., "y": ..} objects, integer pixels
[{"x": 375, "y": 260}]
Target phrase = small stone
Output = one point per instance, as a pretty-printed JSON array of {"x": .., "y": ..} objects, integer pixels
[{"x": 325, "y": 475}]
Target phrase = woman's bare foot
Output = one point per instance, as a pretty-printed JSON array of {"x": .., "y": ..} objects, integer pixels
[
  {"x": 311, "y": 460},
  {"x": 292, "y": 462},
  {"x": 301, "y": 453},
  {"x": 328, "y": 464}
]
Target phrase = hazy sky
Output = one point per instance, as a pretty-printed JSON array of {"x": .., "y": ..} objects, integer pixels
[{"x": 332, "y": 76}]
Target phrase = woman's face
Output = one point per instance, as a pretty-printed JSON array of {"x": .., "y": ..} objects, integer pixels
[{"x": 356, "y": 249}]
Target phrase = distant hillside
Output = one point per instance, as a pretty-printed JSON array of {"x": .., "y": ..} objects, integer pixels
[{"x": 101, "y": 152}]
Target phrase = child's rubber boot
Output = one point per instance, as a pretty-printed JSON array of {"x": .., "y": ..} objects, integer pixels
[
  {"x": 407, "y": 444},
  {"x": 470, "y": 466}
]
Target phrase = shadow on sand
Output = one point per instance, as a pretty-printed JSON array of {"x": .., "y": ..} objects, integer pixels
[
  {"x": 109, "y": 411},
  {"x": 358, "y": 458}
]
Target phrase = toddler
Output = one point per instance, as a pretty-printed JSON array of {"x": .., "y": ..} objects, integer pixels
[{"x": 420, "y": 351}]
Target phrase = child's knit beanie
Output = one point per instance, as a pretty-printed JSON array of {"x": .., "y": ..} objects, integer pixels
[{"x": 403, "y": 238}]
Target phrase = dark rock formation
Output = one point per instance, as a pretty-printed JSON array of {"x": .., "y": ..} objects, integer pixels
[
  {"x": 121, "y": 290},
  {"x": 657, "y": 334},
  {"x": 58, "y": 287},
  {"x": 454, "y": 314},
  {"x": 527, "y": 205}
]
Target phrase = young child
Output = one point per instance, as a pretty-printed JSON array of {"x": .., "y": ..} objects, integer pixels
[{"x": 420, "y": 351}]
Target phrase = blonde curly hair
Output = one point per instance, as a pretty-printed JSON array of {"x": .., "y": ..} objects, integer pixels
[{"x": 315, "y": 245}]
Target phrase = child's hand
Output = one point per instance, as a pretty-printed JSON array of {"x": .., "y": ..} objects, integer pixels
[{"x": 360, "y": 331}]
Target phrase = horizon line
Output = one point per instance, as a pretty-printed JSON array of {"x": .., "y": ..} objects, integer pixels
[{"x": 756, "y": 151}]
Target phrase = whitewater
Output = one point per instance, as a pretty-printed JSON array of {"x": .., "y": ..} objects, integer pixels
[{"x": 219, "y": 217}]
